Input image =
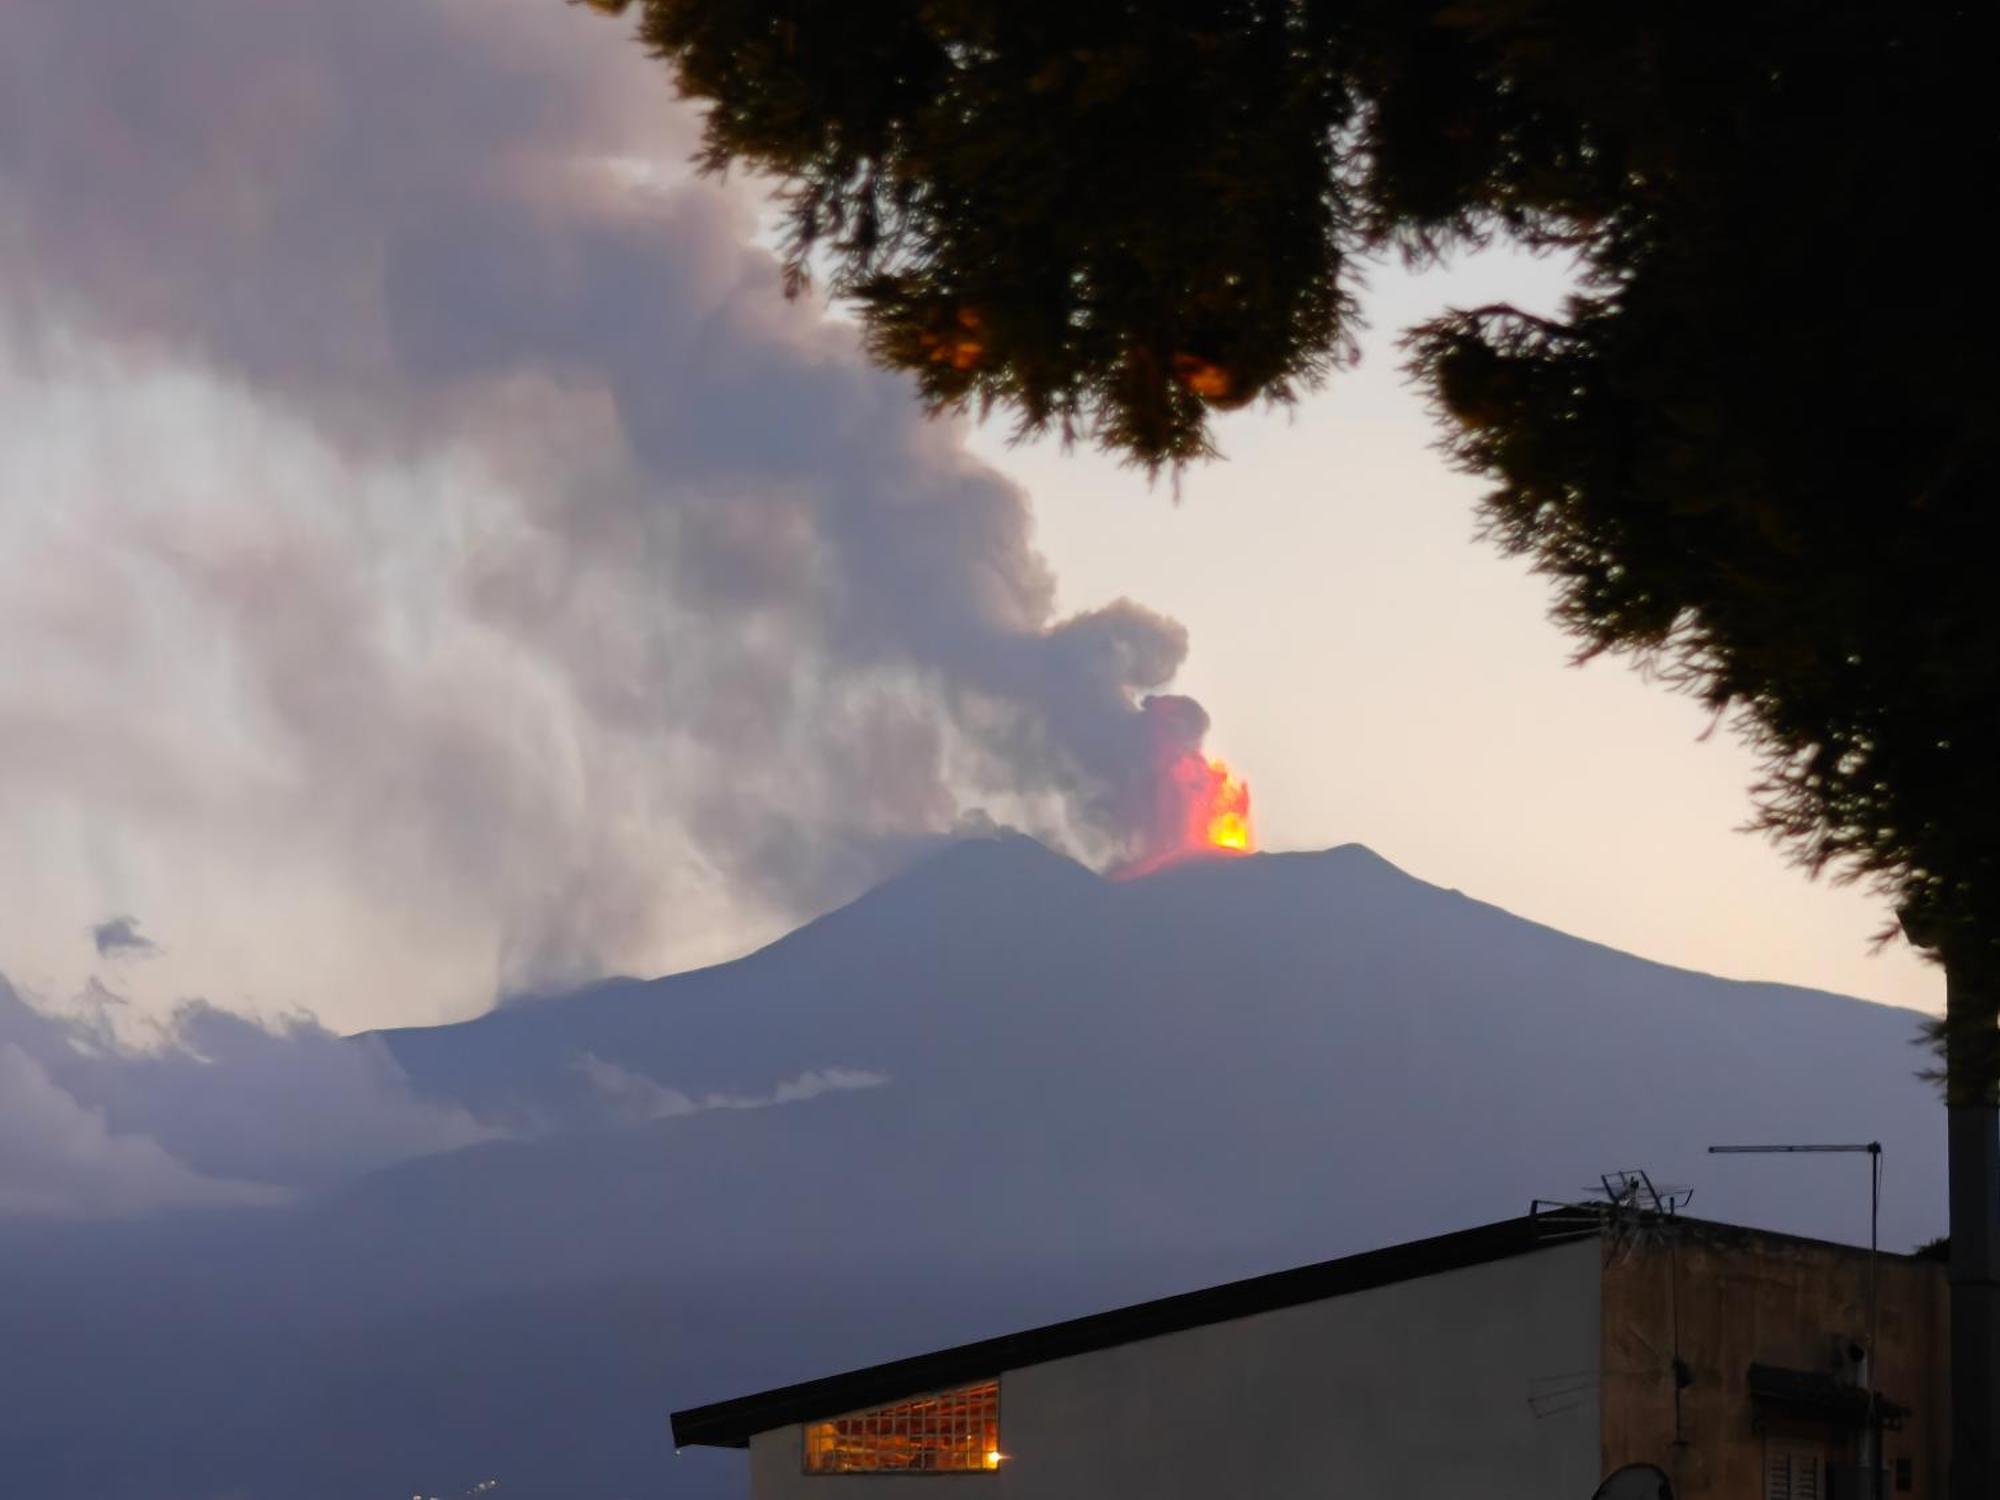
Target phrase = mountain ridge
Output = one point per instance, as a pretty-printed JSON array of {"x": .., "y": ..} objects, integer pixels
[
  {"x": 1020, "y": 850},
  {"x": 999, "y": 966},
  {"x": 996, "y": 1091}
]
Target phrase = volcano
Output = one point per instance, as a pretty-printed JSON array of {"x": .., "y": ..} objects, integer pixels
[{"x": 995, "y": 1091}]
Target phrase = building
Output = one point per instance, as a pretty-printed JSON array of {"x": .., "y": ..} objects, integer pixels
[{"x": 1529, "y": 1358}]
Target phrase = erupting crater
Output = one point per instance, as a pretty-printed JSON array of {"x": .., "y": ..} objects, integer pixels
[{"x": 1205, "y": 814}]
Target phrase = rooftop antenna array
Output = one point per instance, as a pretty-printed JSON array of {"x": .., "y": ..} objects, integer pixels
[
  {"x": 1625, "y": 1199},
  {"x": 1635, "y": 1191}
]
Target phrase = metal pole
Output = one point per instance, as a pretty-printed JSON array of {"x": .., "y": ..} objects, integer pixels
[
  {"x": 1874, "y": 1311},
  {"x": 1873, "y": 1151},
  {"x": 1972, "y": 998}
]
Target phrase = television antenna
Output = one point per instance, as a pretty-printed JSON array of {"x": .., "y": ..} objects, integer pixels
[
  {"x": 1624, "y": 1200},
  {"x": 1636, "y": 1190}
]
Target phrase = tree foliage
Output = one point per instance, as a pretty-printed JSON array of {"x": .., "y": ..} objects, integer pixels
[
  {"x": 985, "y": 180},
  {"x": 1749, "y": 451}
]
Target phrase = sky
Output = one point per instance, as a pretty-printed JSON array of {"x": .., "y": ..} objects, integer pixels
[
  {"x": 437, "y": 565},
  {"x": 1380, "y": 674}
]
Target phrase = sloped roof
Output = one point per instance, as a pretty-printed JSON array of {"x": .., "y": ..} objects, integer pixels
[{"x": 730, "y": 1424}]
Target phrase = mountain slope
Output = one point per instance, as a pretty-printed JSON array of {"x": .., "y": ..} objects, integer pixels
[
  {"x": 995, "y": 1091},
  {"x": 1398, "y": 1045}
]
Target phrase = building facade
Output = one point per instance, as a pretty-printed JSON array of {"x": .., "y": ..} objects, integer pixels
[{"x": 1526, "y": 1359}]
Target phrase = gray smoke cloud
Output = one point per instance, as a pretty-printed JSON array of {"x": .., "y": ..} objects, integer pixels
[
  {"x": 448, "y": 500},
  {"x": 634, "y": 1098},
  {"x": 119, "y": 937},
  {"x": 60, "y": 1159},
  {"x": 104, "y": 1114}
]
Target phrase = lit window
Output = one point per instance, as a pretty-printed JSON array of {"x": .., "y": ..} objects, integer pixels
[{"x": 953, "y": 1432}]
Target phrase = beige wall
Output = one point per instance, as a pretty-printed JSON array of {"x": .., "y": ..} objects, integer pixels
[
  {"x": 1473, "y": 1383},
  {"x": 1746, "y": 1297}
]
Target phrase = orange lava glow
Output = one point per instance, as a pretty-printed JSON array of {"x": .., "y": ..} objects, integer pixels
[
  {"x": 1204, "y": 811},
  {"x": 1217, "y": 803}
]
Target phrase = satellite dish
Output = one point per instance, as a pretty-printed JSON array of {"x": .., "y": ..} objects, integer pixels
[{"x": 1635, "y": 1482}]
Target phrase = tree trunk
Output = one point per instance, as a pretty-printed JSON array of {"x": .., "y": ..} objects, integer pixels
[{"x": 1970, "y": 1001}]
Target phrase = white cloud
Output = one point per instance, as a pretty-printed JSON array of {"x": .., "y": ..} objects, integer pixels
[
  {"x": 59, "y": 1159},
  {"x": 634, "y": 1098},
  {"x": 207, "y": 1105}
]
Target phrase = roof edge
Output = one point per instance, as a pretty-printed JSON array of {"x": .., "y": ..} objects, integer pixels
[{"x": 731, "y": 1424}]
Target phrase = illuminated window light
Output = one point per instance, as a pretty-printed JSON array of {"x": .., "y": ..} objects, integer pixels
[{"x": 951, "y": 1432}]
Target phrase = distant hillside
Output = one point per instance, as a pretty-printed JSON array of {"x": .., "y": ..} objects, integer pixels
[
  {"x": 995, "y": 1090},
  {"x": 1414, "y": 1054}
]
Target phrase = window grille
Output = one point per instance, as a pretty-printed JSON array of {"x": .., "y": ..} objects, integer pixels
[
  {"x": 1793, "y": 1471},
  {"x": 952, "y": 1432}
]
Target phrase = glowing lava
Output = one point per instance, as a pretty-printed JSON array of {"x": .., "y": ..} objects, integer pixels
[
  {"x": 1203, "y": 811},
  {"x": 1216, "y": 803}
]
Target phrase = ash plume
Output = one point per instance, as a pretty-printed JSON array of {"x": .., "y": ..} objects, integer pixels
[
  {"x": 120, "y": 937},
  {"x": 440, "y": 504}
]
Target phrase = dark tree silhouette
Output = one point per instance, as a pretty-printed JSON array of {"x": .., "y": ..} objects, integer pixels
[
  {"x": 986, "y": 181},
  {"x": 1748, "y": 453}
]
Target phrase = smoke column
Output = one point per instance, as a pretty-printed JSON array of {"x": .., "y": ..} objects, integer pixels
[{"x": 429, "y": 495}]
